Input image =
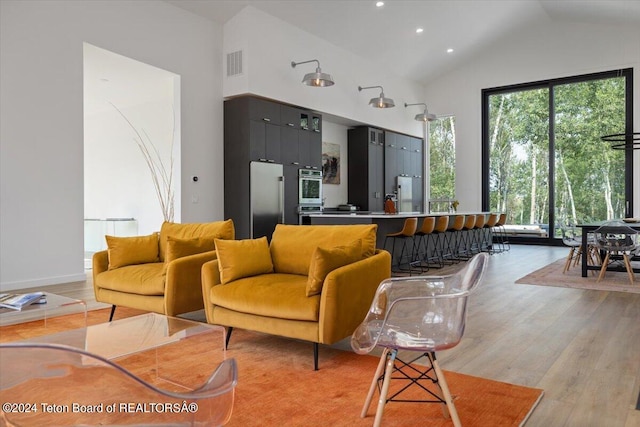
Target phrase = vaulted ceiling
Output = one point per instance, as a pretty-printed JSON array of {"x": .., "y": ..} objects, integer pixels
[{"x": 388, "y": 35}]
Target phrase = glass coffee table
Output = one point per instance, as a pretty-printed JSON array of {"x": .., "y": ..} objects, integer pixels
[
  {"x": 144, "y": 370},
  {"x": 56, "y": 305}
]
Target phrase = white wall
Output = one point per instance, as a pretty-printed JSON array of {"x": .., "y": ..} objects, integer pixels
[
  {"x": 41, "y": 131},
  {"x": 270, "y": 45},
  {"x": 541, "y": 52},
  {"x": 336, "y": 134}
]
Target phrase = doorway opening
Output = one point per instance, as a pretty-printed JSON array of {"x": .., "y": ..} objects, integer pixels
[{"x": 131, "y": 147}]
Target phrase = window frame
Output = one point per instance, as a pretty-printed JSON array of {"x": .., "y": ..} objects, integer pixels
[{"x": 549, "y": 84}]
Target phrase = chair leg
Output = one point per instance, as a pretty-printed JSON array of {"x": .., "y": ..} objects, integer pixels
[
  {"x": 315, "y": 356},
  {"x": 627, "y": 264},
  {"x": 372, "y": 389},
  {"x": 604, "y": 267},
  {"x": 567, "y": 264},
  {"x": 385, "y": 388},
  {"x": 113, "y": 310},
  {"x": 447, "y": 394},
  {"x": 228, "y": 337}
]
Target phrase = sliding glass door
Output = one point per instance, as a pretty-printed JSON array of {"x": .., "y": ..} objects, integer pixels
[{"x": 544, "y": 163}]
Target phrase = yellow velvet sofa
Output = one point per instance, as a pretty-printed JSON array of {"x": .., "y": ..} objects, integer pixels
[
  {"x": 160, "y": 272},
  {"x": 297, "y": 286}
]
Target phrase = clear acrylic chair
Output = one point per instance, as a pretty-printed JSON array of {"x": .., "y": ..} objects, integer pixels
[
  {"x": 617, "y": 241},
  {"x": 573, "y": 240},
  {"x": 81, "y": 388},
  {"x": 423, "y": 314}
]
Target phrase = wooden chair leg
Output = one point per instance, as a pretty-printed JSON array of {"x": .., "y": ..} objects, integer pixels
[
  {"x": 604, "y": 267},
  {"x": 447, "y": 394},
  {"x": 385, "y": 388},
  {"x": 372, "y": 389},
  {"x": 627, "y": 264},
  {"x": 577, "y": 256},
  {"x": 568, "y": 262}
]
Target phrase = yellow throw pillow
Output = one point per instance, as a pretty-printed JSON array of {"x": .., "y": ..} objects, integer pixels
[
  {"x": 324, "y": 261},
  {"x": 132, "y": 250},
  {"x": 178, "y": 248},
  {"x": 217, "y": 229},
  {"x": 243, "y": 258}
]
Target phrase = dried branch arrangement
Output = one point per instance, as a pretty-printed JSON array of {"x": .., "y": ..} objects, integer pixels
[{"x": 161, "y": 175}]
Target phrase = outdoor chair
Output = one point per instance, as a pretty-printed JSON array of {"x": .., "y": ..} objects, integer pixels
[
  {"x": 617, "y": 241},
  {"x": 81, "y": 388},
  {"x": 422, "y": 314}
]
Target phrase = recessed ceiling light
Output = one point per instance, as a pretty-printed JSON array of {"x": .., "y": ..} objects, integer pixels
[
  {"x": 379, "y": 3},
  {"x": 419, "y": 30},
  {"x": 449, "y": 50}
]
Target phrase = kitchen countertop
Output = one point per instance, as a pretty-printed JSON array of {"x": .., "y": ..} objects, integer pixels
[{"x": 365, "y": 214}]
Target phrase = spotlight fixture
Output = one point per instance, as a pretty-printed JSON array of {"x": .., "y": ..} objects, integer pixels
[
  {"x": 380, "y": 101},
  {"x": 317, "y": 79},
  {"x": 424, "y": 116}
]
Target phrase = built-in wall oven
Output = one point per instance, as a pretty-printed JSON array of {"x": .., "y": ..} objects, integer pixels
[{"x": 309, "y": 187}]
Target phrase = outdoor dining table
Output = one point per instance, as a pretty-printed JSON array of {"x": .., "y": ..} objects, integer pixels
[{"x": 590, "y": 228}]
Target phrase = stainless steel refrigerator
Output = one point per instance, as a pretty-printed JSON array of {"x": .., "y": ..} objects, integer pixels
[
  {"x": 405, "y": 194},
  {"x": 267, "y": 198}
]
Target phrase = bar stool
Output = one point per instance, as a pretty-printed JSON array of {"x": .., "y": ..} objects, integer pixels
[
  {"x": 467, "y": 237},
  {"x": 452, "y": 238},
  {"x": 405, "y": 235},
  {"x": 491, "y": 222},
  {"x": 477, "y": 238},
  {"x": 425, "y": 235},
  {"x": 439, "y": 244},
  {"x": 501, "y": 233}
]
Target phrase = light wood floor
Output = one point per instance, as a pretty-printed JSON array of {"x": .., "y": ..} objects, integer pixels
[{"x": 581, "y": 347}]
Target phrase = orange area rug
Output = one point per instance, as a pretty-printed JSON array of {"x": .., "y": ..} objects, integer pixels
[{"x": 277, "y": 385}]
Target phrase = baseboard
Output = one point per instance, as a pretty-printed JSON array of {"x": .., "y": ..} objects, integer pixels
[{"x": 34, "y": 283}]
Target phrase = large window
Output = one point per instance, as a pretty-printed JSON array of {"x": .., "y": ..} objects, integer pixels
[
  {"x": 543, "y": 160},
  {"x": 442, "y": 159}
]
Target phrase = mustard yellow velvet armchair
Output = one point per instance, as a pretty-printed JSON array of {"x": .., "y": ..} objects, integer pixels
[
  {"x": 283, "y": 299},
  {"x": 167, "y": 281}
]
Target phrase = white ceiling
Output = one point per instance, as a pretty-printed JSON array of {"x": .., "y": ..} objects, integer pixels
[{"x": 387, "y": 35}]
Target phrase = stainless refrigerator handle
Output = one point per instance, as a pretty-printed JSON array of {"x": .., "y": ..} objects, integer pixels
[{"x": 282, "y": 199}]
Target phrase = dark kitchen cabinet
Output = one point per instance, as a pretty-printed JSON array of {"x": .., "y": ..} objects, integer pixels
[
  {"x": 290, "y": 146},
  {"x": 260, "y": 130},
  {"x": 291, "y": 194},
  {"x": 264, "y": 110},
  {"x": 366, "y": 168},
  {"x": 310, "y": 149},
  {"x": 265, "y": 142}
]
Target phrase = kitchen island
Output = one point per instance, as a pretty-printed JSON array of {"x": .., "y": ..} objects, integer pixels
[{"x": 387, "y": 223}]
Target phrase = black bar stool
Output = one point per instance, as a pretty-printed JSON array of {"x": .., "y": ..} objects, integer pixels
[{"x": 405, "y": 235}]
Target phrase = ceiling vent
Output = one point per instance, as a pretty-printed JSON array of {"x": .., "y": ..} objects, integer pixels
[{"x": 234, "y": 63}]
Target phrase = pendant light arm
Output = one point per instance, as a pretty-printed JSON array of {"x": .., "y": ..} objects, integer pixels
[
  {"x": 293, "y": 63},
  {"x": 360, "y": 88}
]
